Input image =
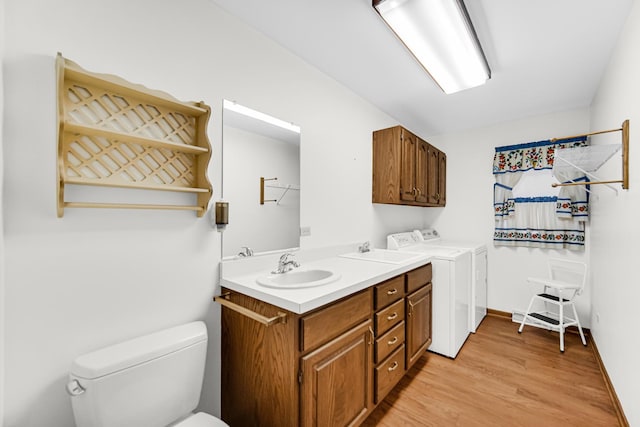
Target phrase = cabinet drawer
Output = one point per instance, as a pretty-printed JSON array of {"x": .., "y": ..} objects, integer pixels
[
  {"x": 419, "y": 277},
  {"x": 389, "y": 342},
  {"x": 329, "y": 322},
  {"x": 389, "y": 291},
  {"x": 388, "y": 317},
  {"x": 389, "y": 373}
]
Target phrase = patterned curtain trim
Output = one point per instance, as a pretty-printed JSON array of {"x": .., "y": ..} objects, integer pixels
[
  {"x": 568, "y": 208},
  {"x": 565, "y": 208},
  {"x": 538, "y": 237},
  {"x": 504, "y": 209},
  {"x": 533, "y": 155},
  {"x": 541, "y": 199}
]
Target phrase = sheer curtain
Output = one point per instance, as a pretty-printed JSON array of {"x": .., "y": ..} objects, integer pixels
[{"x": 545, "y": 218}]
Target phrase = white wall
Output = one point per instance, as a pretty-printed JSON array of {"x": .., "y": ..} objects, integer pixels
[
  {"x": 615, "y": 226},
  {"x": 273, "y": 225},
  {"x": 96, "y": 277},
  {"x": 2, "y": 265},
  {"x": 469, "y": 211}
]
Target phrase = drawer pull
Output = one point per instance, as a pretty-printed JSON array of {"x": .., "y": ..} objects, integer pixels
[
  {"x": 392, "y": 316},
  {"x": 393, "y": 341},
  {"x": 393, "y": 367},
  {"x": 392, "y": 291}
]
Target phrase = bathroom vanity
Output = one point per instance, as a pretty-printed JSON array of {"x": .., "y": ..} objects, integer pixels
[{"x": 328, "y": 365}]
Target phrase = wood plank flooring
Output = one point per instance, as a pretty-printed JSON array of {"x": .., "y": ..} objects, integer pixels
[{"x": 502, "y": 378}]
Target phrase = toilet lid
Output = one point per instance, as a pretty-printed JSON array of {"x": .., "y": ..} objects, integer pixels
[{"x": 202, "y": 419}]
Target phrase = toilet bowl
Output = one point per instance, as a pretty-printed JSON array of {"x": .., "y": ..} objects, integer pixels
[{"x": 153, "y": 380}]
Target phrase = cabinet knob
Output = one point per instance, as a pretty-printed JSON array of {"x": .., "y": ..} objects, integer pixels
[
  {"x": 392, "y": 291},
  {"x": 393, "y": 341},
  {"x": 393, "y": 367},
  {"x": 392, "y": 316}
]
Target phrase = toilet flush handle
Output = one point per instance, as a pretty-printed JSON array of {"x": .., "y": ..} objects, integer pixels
[{"x": 74, "y": 388}]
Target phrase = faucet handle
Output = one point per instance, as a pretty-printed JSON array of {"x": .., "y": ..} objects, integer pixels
[
  {"x": 365, "y": 247},
  {"x": 285, "y": 257},
  {"x": 246, "y": 251}
]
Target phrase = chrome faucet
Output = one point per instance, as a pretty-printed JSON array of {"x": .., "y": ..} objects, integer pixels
[
  {"x": 286, "y": 263},
  {"x": 365, "y": 247},
  {"x": 246, "y": 251}
]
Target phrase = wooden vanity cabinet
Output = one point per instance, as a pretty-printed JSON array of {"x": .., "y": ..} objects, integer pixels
[
  {"x": 390, "y": 335},
  {"x": 406, "y": 169},
  {"x": 314, "y": 369},
  {"x": 419, "y": 313},
  {"x": 328, "y": 367},
  {"x": 418, "y": 330},
  {"x": 336, "y": 387}
]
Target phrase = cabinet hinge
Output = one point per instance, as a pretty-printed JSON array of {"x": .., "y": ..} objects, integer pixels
[{"x": 300, "y": 377}]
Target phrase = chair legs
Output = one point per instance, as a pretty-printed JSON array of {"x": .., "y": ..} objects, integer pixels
[
  {"x": 575, "y": 314},
  {"x": 526, "y": 314},
  {"x": 560, "y": 326}
]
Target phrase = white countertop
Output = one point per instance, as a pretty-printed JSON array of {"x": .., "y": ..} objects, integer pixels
[{"x": 240, "y": 275}]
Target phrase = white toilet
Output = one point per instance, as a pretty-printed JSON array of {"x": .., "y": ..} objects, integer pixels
[{"x": 151, "y": 381}]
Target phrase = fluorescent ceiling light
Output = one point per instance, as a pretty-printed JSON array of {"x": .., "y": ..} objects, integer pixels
[
  {"x": 241, "y": 109},
  {"x": 441, "y": 37}
]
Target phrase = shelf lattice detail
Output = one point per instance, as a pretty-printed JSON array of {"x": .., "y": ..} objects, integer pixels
[{"x": 117, "y": 134}]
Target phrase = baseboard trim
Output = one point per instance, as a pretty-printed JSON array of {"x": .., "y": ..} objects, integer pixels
[
  {"x": 622, "y": 419},
  {"x": 498, "y": 313},
  {"x": 508, "y": 315}
]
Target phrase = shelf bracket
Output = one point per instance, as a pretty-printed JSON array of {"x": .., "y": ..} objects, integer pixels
[{"x": 262, "y": 181}]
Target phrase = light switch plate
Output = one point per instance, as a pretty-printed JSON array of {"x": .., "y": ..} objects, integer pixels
[{"x": 305, "y": 231}]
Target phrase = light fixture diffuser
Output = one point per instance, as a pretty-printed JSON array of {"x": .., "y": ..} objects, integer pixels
[
  {"x": 241, "y": 109},
  {"x": 440, "y": 35}
]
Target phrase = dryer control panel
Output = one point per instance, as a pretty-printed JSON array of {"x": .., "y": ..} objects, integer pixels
[
  {"x": 427, "y": 234},
  {"x": 402, "y": 240}
]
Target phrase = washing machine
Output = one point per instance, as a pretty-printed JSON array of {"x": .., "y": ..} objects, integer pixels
[
  {"x": 479, "y": 284},
  {"x": 450, "y": 292}
]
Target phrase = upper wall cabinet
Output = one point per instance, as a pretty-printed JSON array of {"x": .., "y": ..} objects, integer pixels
[
  {"x": 112, "y": 133},
  {"x": 407, "y": 170}
]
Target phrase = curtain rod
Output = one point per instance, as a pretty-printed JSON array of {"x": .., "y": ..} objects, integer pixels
[{"x": 587, "y": 134}]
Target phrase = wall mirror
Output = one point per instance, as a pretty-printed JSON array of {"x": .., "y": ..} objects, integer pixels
[{"x": 260, "y": 180}]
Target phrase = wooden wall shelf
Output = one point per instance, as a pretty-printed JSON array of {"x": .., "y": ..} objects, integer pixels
[{"x": 112, "y": 133}]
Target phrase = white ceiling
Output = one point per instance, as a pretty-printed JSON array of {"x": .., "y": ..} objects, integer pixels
[{"x": 545, "y": 56}]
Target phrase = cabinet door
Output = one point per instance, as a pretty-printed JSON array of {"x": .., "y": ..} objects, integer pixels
[
  {"x": 337, "y": 386},
  {"x": 408, "y": 166},
  {"x": 422, "y": 158},
  {"x": 442, "y": 179},
  {"x": 418, "y": 321},
  {"x": 432, "y": 175}
]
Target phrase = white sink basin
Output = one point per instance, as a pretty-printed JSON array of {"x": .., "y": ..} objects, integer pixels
[
  {"x": 385, "y": 255},
  {"x": 299, "y": 279}
]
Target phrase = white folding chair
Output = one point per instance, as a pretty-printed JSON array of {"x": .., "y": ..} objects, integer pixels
[{"x": 566, "y": 281}]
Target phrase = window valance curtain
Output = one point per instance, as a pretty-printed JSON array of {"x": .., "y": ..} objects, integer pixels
[
  {"x": 533, "y": 155},
  {"x": 547, "y": 220}
]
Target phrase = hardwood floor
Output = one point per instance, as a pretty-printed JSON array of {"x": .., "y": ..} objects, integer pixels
[{"x": 502, "y": 378}]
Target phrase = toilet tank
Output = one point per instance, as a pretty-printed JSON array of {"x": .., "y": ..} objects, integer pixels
[{"x": 152, "y": 380}]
